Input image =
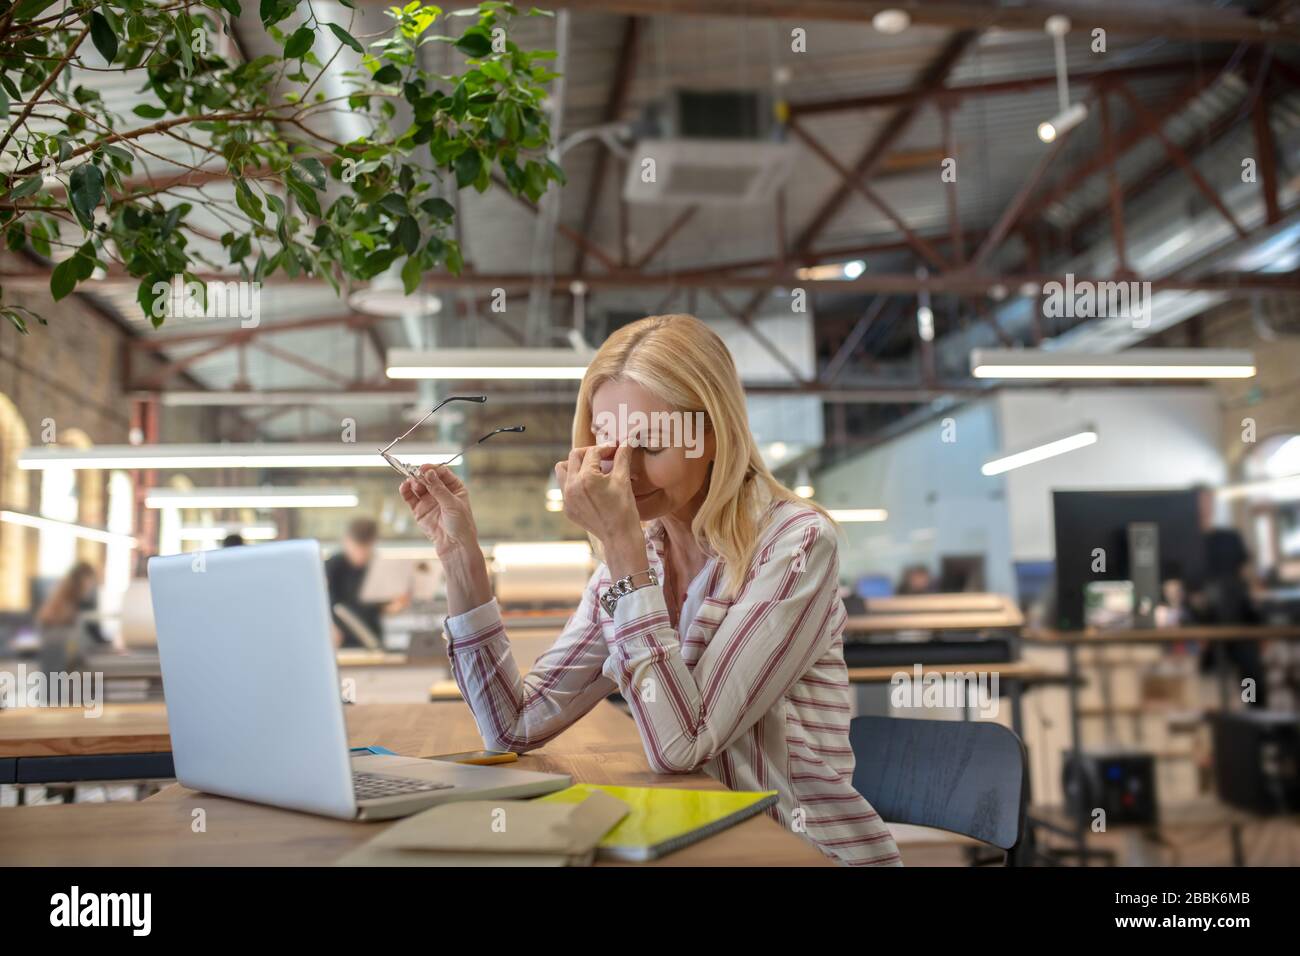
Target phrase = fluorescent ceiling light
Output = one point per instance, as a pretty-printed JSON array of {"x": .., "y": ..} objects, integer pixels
[
  {"x": 79, "y": 530},
  {"x": 505, "y": 363},
  {"x": 1042, "y": 452},
  {"x": 859, "y": 514},
  {"x": 251, "y": 498},
  {"x": 1285, "y": 486},
  {"x": 226, "y": 455},
  {"x": 1134, "y": 363},
  {"x": 209, "y": 533},
  {"x": 237, "y": 397}
]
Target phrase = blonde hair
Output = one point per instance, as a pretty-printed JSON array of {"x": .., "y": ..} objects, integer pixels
[{"x": 684, "y": 362}]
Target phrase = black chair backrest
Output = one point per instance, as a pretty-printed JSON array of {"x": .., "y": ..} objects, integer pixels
[{"x": 967, "y": 777}]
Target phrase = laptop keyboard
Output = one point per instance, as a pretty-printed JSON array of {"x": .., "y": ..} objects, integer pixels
[{"x": 371, "y": 786}]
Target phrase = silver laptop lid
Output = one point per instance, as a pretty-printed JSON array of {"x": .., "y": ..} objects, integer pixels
[{"x": 250, "y": 678}]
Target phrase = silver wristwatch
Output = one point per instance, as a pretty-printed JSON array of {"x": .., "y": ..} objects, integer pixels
[{"x": 624, "y": 585}]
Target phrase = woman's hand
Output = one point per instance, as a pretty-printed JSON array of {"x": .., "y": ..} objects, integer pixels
[
  {"x": 603, "y": 504},
  {"x": 440, "y": 505}
]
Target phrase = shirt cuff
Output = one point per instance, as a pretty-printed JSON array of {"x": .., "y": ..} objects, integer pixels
[
  {"x": 639, "y": 613},
  {"x": 473, "y": 628}
]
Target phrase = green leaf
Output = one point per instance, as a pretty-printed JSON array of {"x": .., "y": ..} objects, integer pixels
[
  {"x": 64, "y": 278},
  {"x": 468, "y": 165},
  {"x": 387, "y": 74},
  {"x": 394, "y": 203},
  {"x": 232, "y": 7},
  {"x": 149, "y": 112},
  {"x": 439, "y": 208},
  {"x": 102, "y": 35},
  {"x": 86, "y": 188},
  {"x": 248, "y": 203},
  {"x": 408, "y": 234},
  {"x": 474, "y": 43},
  {"x": 347, "y": 39},
  {"x": 17, "y": 320},
  {"x": 299, "y": 43},
  {"x": 4, "y": 103},
  {"x": 453, "y": 259},
  {"x": 27, "y": 187},
  {"x": 312, "y": 170},
  {"x": 412, "y": 272}
]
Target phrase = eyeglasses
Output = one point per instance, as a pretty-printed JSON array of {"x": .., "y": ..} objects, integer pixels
[{"x": 413, "y": 471}]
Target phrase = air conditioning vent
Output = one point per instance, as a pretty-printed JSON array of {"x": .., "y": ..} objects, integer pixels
[
  {"x": 706, "y": 172},
  {"x": 709, "y": 148}
]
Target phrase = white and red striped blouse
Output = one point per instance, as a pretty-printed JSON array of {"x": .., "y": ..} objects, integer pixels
[{"x": 753, "y": 690}]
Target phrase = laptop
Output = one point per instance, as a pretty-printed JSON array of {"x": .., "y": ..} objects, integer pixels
[{"x": 253, "y": 695}]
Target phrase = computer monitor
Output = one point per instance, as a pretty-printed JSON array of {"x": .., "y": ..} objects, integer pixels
[
  {"x": 873, "y": 586},
  {"x": 1088, "y": 520},
  {"x": 1033, "y": 580}
]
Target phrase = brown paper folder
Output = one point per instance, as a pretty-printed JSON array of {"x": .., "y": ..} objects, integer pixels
[{"x": 495, "y": 833}]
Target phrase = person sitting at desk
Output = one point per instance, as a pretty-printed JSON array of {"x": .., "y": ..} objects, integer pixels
[
  {"x": 65, "y": 638},
  {"x": 1223, "y": 597},
  {"x": 714, "y": 612},
  {"x": 916, "y": 579},
  {"x": 345, "y": 573}
]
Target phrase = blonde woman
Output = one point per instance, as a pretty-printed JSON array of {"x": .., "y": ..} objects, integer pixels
[{"x": 717, "y": 590}]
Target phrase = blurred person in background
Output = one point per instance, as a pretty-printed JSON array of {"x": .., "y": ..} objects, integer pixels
[
  {"x": 64, "y": 636},
  {"x": 1223, "y": 596},
  {"x": 345, "y": 575},
  {"x": 916, "y": 579}
]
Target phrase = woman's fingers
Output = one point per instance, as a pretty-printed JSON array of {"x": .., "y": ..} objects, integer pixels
[
  {"x": 449, "y": 478},
  {"x": 575, "y": 460},
  {"x": 592, "y": 458},
  {"x": 434, "y": 484}
]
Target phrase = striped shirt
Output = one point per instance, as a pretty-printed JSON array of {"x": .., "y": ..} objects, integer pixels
[{"x": 753, "y": 690}]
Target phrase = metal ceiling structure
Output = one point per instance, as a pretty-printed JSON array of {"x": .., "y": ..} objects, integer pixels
[{"x": 873, "y": 116}]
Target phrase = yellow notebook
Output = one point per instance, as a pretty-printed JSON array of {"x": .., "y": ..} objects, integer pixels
[{"x": 662, "y": 820}]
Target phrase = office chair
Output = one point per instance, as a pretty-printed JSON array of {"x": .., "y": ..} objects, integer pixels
[{"x": 966, "y": 777}]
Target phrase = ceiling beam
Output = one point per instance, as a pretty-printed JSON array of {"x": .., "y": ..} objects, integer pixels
[
  {"x": 922, "y": 248},
  {"x": 998, "y": 87},
  {"x": 614, "y": 105},
  {"x": 949, "y": 283},
  {"x": 1191, "y": 23},
  {"x": 931, "y": 79},
  {"x": 1155, "y": 124}
]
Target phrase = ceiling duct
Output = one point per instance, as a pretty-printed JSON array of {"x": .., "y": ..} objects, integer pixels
[{"x": 709, "y": 148}]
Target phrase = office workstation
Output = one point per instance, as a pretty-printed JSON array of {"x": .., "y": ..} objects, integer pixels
[{"x": 843, "y": 436}]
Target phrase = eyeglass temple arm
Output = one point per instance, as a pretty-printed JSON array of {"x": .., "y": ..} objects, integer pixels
[
  {"x": 495, "y": 431},
  {"x": 452, "y": 398}
]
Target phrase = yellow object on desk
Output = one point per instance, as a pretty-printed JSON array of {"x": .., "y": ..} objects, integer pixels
[
  {"x": 662, "y": 821},
  {"x": 479, "y": 757}
]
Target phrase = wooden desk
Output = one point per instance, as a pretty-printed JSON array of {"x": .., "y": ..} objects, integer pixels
[
  {"x": 128, "y": 741},
  {"x": 603, "y": 747},
  {"x": 67, "y": 731},
  {"x": 1164, "y": 635}
]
